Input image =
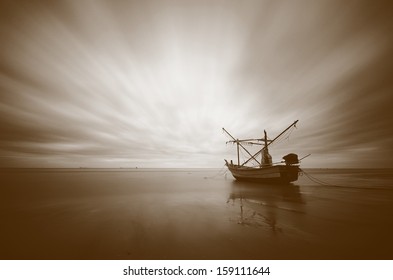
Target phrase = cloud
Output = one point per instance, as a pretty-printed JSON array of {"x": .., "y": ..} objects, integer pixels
[{"x": 151, "y": 83}]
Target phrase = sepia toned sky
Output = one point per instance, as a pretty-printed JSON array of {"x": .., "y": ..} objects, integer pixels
[{"x": 151, "y": 83}]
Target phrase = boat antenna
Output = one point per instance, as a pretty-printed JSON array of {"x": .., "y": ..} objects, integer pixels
[{"x": 305, "y": 157}]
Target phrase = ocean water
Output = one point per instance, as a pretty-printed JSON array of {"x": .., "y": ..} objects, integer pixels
[{"x": 194, "y": 214}]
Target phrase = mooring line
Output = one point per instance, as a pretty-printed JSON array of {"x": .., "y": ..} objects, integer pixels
[
  {"x": 221, "y": 172},
  {"x": 318, "y": 181}
]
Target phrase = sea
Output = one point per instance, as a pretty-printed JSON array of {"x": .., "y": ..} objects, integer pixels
[{"x": 194, "y": 214}]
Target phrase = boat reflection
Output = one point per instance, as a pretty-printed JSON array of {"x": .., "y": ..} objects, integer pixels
[{"x": 267, "y": 206}]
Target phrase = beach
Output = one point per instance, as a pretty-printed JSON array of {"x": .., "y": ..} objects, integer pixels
[{"x": 201, "y": 214}]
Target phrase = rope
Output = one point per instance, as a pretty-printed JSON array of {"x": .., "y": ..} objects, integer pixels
[
  {"x": 320, "y": 182},
  {"x": 221, "y": 172},
  {"x": 317, "y": 181},
  {"x": 284, "y": 137}
]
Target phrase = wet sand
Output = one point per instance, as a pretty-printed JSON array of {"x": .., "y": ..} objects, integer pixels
[{"x": 193, "y": 214}]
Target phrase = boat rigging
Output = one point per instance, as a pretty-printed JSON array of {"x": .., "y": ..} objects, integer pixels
[{"x": 266, "y": 171}]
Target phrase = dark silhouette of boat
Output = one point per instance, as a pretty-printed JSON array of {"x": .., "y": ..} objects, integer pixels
[{"x": 266, "y": 172}]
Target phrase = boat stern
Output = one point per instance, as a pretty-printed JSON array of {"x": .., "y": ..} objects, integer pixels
[{"x": 289, "y": 173}]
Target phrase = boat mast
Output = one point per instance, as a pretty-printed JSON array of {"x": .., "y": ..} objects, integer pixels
[
  {"x": 266, "y": 157},
  {"x": 237, "y": 141},
  {"x": 238, "y": 157},
  {"x": 265, "y": 147},
  {"x": 267, "y": 144}
]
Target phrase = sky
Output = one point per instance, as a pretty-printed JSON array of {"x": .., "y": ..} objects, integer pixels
[{"x": 152, "y": 83}]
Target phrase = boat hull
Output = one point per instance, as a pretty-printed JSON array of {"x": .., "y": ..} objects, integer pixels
[{"x": 281, "y": 174}]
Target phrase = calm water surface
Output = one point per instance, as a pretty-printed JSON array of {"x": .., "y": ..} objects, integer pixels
[{"x": 194, "y": 214}]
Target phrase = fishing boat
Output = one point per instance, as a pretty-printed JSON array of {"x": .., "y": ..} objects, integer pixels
[{"x": 265, "y": 171}]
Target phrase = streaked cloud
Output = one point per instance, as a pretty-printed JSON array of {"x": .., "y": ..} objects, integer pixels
[{"x": 151, "y": 83}]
